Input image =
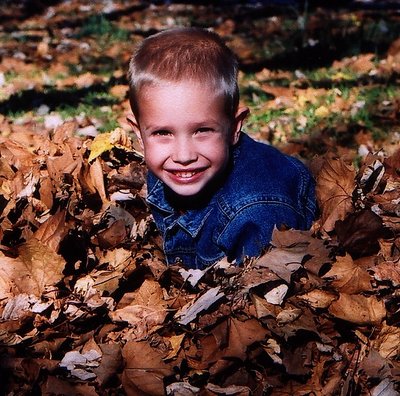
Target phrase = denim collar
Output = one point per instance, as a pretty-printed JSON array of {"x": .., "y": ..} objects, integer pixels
[
  {"x": 192, "y": 220},
  {"x": 155, "y": 194}
]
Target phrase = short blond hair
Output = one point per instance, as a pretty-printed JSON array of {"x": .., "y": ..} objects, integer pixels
[{"x": 192, "y": 54}]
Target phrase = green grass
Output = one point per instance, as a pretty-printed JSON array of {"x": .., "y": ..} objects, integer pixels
[
  {"x": 98, "y": 26},
  {"x": 95, "y": 105},
  {"x": 359, "y": 110}
]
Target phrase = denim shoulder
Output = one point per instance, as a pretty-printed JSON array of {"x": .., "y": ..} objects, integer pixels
[
  {"x": 261, "y": 172},
  {"x": 265, "y": 189}
]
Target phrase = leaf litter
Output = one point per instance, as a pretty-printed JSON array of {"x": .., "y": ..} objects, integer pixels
[
  {"x": 87, "y": 303},
  {"x": 89, "y": 306}
]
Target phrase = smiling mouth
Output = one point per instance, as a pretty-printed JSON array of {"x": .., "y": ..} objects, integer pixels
[{"x": 186, "y": 174}]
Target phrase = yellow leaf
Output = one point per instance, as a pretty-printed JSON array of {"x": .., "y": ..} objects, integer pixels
[
  {"x": 100, "y": 145},
  {"x": 341, "y": 76},
  {"x": 322, "y": 112},
  {"x": 176, "y": 342},
  {"x": 106, "y": 141}
]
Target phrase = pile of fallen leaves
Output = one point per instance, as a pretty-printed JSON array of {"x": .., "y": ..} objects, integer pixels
[{"x": 88, "y": 305}]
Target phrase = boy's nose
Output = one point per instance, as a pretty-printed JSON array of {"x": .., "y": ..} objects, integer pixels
[{"x": 184, "y": 152}]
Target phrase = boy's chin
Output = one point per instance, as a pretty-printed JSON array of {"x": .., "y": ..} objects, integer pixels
[
  {"x": 188, "y": 198},
  {"x": 186, "y": 193}
]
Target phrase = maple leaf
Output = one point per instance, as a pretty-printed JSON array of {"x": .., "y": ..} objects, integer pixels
[
  {"x": 144, "y": 370},
  {"x": 348, "y": 277},
  {"x": 358, "y": 309},
  {"x": 146, "y": 310},
  {"x": 36, "y": 268},
  {"x": 335, "y": 186},
  {"x": 241, "y": 335}
]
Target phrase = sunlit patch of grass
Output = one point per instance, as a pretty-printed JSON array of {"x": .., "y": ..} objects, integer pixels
[
  {"x": 99, "y": 27},
  {"x": 330, "y": 74},
  {"x": 315, "y": 110},
  {"x": 96, "y": 106},
  {"x": 10, "y": 75},
  {"x": 15, "y": 115},
  {"x": 104, "y": 116}
]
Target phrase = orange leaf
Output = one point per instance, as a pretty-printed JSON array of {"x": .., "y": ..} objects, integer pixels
[
  {"x": 348, "y": 277},
  {"x": 36, "y": 267},
  {"x": 144, "y": 370},
  {"x": 335, "y": 186},
  {"x": 358, "y": 309}
]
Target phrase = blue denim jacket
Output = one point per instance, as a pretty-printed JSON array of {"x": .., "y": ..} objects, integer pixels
[{"x": 263, "y": 188}]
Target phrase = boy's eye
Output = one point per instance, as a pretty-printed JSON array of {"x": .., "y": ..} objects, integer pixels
[
  {"x": 161, "y": 132},
  {"x": 204, "y": 129}
]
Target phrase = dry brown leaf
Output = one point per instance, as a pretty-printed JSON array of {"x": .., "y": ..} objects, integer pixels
[
  {"x": 189, "y": 312},
  {"x": 362, "y": 63},
  {"x": 55, "y": 385},
  {"x": 315, "y": 249},
  {"x": 263, "y": 307},
  {"x": 282, "y": 261},
  {"x": 176, "y": 343},
  {"x": 234, "y": 390},
  {"x": 241, "y": 335},
  {"x": 95, "y": 178},
  {"x": 318, "y": 298},
  {"x": 16, "y": 154},
  {"x": 53, "y": 230},
  {"x": 335, "y": 186},
  {"x": 46, "y": 192},
  {"x": 358, "y": 309},
  {"x": 110, "y": 364},
  {"x": 359, "y": 232},
  {"x": 146, "y": 310},
  {"x": 387, "y": 342},
  {"x": 387, "y": 271},
  {"x": 348, "y": 277},
  {"x": 144, "y": 370},
  {"x": 255, "y": 277},
  {"x": 36, "y": 268},
  {"x": 65, "y": 160}
]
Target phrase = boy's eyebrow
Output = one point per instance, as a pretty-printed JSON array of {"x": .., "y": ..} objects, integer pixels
[{"x": 193, "y": 125}]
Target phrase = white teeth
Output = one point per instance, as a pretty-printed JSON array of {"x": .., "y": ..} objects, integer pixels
[{"x": 185, "y": 175}]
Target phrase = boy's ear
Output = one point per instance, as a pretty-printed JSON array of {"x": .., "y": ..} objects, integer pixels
[
  {"x": 135, "y": 127},
  {"x": 240, "y": 116}
]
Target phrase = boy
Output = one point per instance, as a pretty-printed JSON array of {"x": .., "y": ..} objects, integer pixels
[{"x": 213, "y": 190}]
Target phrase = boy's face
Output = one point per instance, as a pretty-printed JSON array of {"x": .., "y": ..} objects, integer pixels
[{"x": 186, "y": 134}]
